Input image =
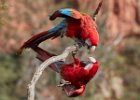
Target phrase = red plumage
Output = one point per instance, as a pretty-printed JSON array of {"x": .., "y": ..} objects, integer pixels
[
  {"x": 74, "y": 72},
  {"x": 78, "y": 26},
  {"x": 78, "y": 76},
  {"x": 31, "y": 42},
  {"x": 83, "y": 28}
]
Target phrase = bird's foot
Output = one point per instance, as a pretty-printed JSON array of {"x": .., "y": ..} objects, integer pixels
[
  {"x": 77, "y": 49},
  {"x": 63, "y": 83},
  {"x": 74, "y": 53},
  {"x": 79, "y": 43},
  {"x": 60, "y": 85},
  {"x": 78, "y": 46}
]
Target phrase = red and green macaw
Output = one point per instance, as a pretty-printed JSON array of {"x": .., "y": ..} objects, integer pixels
[
  {"x": 78, "y": 26},
  {"x": 78, "y": 73}
]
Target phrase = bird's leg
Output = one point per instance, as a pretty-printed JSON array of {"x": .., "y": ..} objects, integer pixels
[
  {"x": 83, "y": 42},
  {"x": 63, "y": 82},
  {"x": 74, "y": 52},
  {"x": 78, "y": 44}
]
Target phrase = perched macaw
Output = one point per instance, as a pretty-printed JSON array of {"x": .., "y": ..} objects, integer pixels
[
  {"x": 78, "y": 26},
  {"x": 77, "y": 73}
]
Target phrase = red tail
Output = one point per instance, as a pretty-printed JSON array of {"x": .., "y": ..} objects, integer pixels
[
  {"x": 42, "y": 55},
  {"x": 33, "y": 41}
]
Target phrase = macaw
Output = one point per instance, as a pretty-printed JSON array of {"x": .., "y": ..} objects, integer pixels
[
  {"x": 78, "y": 26},
  {"x": 77, "y": 73}
]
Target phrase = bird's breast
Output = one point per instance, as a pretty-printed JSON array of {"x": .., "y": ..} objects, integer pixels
[
  {"x": 73, "y": 28},
  {"x": 80, "y": 28}
]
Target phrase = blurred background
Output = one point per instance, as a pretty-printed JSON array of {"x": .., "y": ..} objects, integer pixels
[{"x": 118, "y": 52}]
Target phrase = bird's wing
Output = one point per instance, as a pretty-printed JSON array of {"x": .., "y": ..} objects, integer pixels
[
  {"x": 66, "y": 13},
  {"x": 71, "y": 13},
  {"x": 58, "y": 30}
]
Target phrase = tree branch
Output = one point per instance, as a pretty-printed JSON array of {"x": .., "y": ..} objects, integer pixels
[
  {"x": 45, "y": 64},
  {"x": 97, "y": 9}
]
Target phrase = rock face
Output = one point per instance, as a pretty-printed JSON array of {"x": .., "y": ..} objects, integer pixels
[{"x": 123, "y": 17}]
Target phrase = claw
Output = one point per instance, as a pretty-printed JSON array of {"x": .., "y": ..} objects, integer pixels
[
  {"x": 63, "y": 83},
  {"x": 77, "y": 49},
  {"x": 74, "y": 53},
  {"x": 79, "y": 43},
  {"x": 60, "y": 85}
]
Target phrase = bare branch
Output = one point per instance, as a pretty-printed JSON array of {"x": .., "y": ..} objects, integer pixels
[
  {"x": 97, "y": 9},
  {"x": 45, "y": 64}
]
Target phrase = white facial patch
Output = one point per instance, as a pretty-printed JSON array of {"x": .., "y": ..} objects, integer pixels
[{"x": 88, "y": 42}]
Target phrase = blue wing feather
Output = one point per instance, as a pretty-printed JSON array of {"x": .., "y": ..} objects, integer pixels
[
  {"x": 62, "y": 26},
  {"x": 70, "y": 12},
  {"x": 66, "y": 11},
  {"x": 58, "y": 30}
]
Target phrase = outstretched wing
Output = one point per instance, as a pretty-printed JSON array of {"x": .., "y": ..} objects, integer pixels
[{"x": 58, "y": 30}]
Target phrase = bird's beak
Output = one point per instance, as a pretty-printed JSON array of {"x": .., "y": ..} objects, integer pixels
[
  {"x": 92, "y": 49},
  {"x": 92, "y": 60}
]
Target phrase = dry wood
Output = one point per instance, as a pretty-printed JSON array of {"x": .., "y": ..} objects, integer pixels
[{"x": 45, "y": 64}]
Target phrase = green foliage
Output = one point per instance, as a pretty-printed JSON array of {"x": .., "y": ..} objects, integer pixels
[{"x": 10, "y": 69}]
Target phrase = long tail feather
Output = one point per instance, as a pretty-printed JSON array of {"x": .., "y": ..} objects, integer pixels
[
  {"x": 42, "y": 55},
  {"x": 34, "y": 41}
]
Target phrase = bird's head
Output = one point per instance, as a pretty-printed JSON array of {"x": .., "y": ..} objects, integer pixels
[{"x": 66, "y": 13}]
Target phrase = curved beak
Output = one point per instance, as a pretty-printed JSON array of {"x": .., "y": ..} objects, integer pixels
[{"x": 92, "y": 60}]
